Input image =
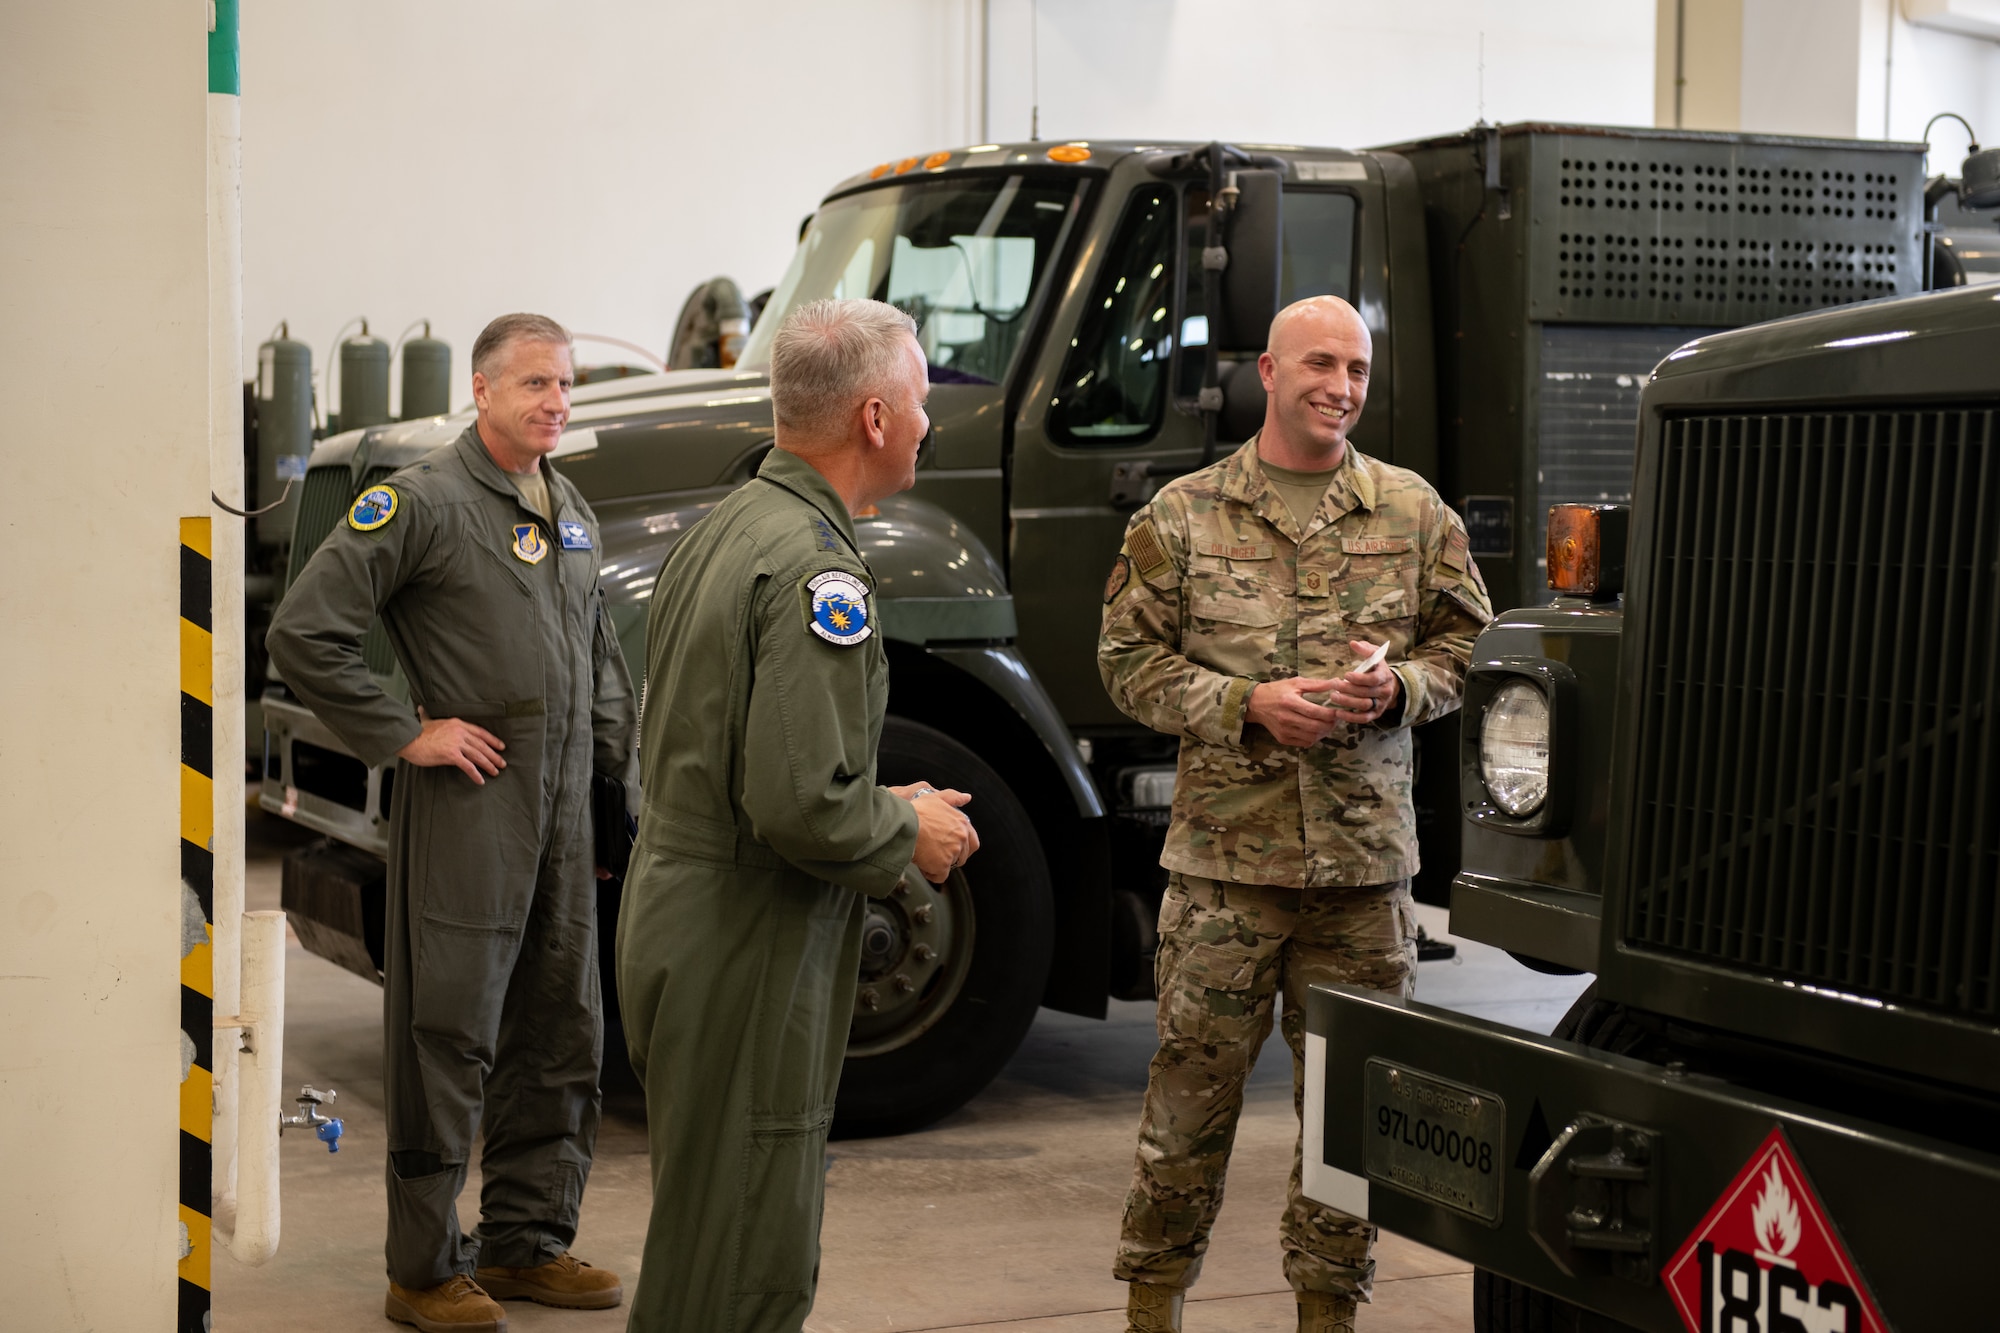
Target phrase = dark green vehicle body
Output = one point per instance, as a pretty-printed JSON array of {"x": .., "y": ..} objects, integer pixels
[
  {"x": 1064, "y": 312},
  {"x": 1782, "y": 858}
]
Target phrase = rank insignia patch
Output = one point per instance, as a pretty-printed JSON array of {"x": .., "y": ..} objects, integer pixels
[
  {"x": 837, "y": 607},
  {"x": 373, "y": 508},
  {"x": 575, "y": 536},
  {"x": 823, "y": 534},
  {"x": 529, "y": 544},
  {"x": 1121, "y": 574}
]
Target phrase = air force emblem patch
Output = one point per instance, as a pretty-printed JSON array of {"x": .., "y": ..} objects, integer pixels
[
  {"x": 373, "y": 508},
  {"x": 529, "y": 544},
  {"x": 837, "y": 608}
]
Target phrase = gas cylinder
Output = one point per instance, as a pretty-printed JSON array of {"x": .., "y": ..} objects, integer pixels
[
  {"x": 364, "y": 380},
  {"x": 284, "y": 431},
  {"x": 426, "y": 376}
]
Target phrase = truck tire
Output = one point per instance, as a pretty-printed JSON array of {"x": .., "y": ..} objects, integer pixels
[
  {"x": 931, "y": 1029},
  {"x": 1501, "y": 1305}
]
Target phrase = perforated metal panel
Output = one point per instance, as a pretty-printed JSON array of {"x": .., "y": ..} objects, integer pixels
[{"x": 1692, "y": 230}]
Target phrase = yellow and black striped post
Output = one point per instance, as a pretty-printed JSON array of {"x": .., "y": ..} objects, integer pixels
[{"x": 197, "y": 934}]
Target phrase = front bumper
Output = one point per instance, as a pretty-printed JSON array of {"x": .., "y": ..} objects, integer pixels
[
  {"x": 311, "y": 779},
  {"x": 1916, "y": 1214}
]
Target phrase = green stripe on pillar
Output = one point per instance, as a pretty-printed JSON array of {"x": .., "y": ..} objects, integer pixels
[{"x": 225, "y": 49}]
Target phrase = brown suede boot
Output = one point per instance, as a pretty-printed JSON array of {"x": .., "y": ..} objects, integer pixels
[
  {"x": 1323, "y": 1312},
  {"x": 565, "y": 1282},
  {"x": 457, "y": 1306},
  {"x": 1151, "y": 1308}
]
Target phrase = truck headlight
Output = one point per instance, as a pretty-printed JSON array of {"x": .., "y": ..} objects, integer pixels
[{"x": 1514, "y": 748}]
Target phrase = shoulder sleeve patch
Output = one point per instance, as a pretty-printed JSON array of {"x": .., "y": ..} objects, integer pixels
[
  {"x": 1143, "y": 544},
  {"x": 373, "y": 508},
  {"x": 1455, "y": 550},
  {"x": 1121, "y": 574},
  {"x": 836, "y": 607}
]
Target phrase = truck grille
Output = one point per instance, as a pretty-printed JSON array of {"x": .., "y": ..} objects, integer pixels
[
  {"x": 327, "y": 494},
  {"x": 1816, "y": 763}
]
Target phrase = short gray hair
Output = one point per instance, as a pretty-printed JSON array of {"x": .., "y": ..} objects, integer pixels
[
  {"x": 828, "y": 355},
  {"x": 503, "y": 332}
]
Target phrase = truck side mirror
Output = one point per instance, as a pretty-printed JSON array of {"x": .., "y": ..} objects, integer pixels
[{"x": 1255, "y": 244}]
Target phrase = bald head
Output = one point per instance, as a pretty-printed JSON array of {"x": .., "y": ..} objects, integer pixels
[{"x": 1315, "y": 373}]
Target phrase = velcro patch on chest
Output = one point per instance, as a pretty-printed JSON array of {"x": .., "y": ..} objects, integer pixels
[
  {"x": 1315, "y": 583},
  {"x": 836, "y": 604},
  {"x": 529, "y": 547},
  {"x": 1377, "y": 545},
  {"x": 1234, "y": 550},
  {"x": 575, "y": 536}
]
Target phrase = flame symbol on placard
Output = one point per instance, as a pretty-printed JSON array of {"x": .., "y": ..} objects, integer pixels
[{"x": 1776, "y": 1219}]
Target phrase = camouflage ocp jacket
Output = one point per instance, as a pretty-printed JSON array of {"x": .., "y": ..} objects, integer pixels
[{"x": 1216, "y": 590}]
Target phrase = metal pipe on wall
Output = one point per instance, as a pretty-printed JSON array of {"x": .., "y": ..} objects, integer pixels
[{"x": 260, "y": 1075}]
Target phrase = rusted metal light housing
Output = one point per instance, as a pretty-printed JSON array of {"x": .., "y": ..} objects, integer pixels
[{"x": 1587, "y": 550}]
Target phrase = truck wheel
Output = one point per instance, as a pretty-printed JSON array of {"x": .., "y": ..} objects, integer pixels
[
  {"x": 1500, "y": 1305},
  {"x": 952, "y": 973}
]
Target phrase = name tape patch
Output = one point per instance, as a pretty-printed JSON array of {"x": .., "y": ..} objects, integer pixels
[
  {"x": 575, "y": 536},
  {"x": 1234, "y": 551}
]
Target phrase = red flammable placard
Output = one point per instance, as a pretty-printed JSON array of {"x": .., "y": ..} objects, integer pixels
[{"x": 1766, "y": 1259}]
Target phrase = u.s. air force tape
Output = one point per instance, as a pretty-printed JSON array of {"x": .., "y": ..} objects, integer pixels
[{"x": 837, "y": 608}]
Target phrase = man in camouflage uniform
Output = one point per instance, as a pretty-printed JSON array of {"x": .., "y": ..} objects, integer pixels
[{"x": 1239, "y": 611}]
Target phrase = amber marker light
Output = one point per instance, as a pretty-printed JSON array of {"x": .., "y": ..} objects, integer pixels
[
  {"x": 936, "y": 160},
  {"x": 1587, "y": 549},
  {"x": 908, "y": 164},
  {"x": 879, "y": 172},
  {"x": 1069, "y": 152}
]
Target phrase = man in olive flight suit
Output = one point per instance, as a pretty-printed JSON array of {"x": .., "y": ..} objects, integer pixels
[
  {"x": 483, "y": 566},
  {"x": 739, "y": 936},
  {"x": 1240, "y": 613}
]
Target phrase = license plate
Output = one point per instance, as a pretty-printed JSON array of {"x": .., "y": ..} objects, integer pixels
[{"x": 1435, "y": 1139}]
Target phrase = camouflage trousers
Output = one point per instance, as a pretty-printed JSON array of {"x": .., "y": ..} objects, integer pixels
[{"x": 1226, "y": 950}]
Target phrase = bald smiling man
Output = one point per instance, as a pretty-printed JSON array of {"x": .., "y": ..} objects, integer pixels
[{"x": 1247, "y": 614}]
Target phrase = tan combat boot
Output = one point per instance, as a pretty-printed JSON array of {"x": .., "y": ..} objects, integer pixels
[
  {"x": 565, "y": 1282},
  {"x": 457, "y": 1306},
  {"x": 1323, "y": 1312},
  {"x": 1152, "y": 1308}
]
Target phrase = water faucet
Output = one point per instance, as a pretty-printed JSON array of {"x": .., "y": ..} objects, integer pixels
[{"x": 327, "y": 1129}]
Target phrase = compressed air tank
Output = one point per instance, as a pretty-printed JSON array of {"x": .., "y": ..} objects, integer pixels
[
  {"x": 426, "y": 376},
  {"x": 284, "y": 431},
  {"x": 364, "y": 380}
]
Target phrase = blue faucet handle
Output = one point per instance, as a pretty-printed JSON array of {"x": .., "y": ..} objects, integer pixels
[{"x": 330, "y": 1133}]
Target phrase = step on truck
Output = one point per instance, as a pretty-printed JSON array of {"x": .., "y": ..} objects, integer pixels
[{"x": 1092, "y": 313}]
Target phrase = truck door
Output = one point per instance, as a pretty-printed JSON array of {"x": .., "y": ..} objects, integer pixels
[{"x": 1115, "y": 385}]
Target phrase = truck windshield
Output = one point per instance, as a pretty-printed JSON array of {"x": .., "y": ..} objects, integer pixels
[{"x": 964, "y": 256}]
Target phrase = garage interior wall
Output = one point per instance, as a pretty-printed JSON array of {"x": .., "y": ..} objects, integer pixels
[
  {"x": 455, "y": 160},
  {"x": 1839, "y": 68},
  {"x": 104, "y": 267}
]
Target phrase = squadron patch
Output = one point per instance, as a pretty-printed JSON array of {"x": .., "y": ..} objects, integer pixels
[
  {"x": 837, "y": 608},
  {"x": 373, "y": 508},
  {"x": 1121, "y": 574},
  {"x": 529, "y": 544}
]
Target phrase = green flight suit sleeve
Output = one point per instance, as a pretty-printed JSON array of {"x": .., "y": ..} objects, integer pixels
[
  {"x": 809, "y": 754},
  {"x": 1139, "y": 646},
  {"x": 1452, "y": 608},
  {"x": 315, "y": 635},
  {"x": 614, "y": 709}
]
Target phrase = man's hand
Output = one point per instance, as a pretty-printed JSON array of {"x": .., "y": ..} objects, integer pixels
[
  {"x": 454, "y": 741},
  {"x": 1362, "y": 697},
  {"x": 945, "y": 837},
  {"x": 1282, "y": 708}
]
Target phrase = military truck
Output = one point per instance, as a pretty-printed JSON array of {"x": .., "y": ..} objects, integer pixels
[
  {"x": 1092, "y": 314},
  {"x": 1763, "y": 815}
]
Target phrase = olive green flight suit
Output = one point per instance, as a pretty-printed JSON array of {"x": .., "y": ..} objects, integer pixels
[
  {"x": 490, "y": 986},
  {"x": 739, "y": 938}
]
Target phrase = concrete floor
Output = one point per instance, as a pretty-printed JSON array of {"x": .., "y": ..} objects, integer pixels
[{"x": 1004, "y": 1214}]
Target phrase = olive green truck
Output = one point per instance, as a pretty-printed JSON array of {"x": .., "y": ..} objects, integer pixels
[
  {"x": 1767, "y": 816},
  {"x": 1092, "y": 314}
]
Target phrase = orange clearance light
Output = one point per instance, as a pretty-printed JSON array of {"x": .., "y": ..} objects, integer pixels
[
  {"x": 1069, "y": 152},
  {"x": 907, "y": 164},
  {"x": 936, "y": 160},
  {"x": 1587, "y": 549},
  {"x": 879, "y": 172}
]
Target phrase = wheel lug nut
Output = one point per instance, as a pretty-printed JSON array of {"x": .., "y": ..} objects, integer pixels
[
  {"x": 923, "y": 915},
  {"x": 924, "y": 953},
  {"x": 904, "y": 984},
  {"x": 868, "y": 999},
  {"x": 902, "y": 888}
]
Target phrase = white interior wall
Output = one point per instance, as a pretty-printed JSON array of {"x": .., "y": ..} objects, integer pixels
[
  {"x": 454, "y": 160},
  {"x": 103, "y": 265}
]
